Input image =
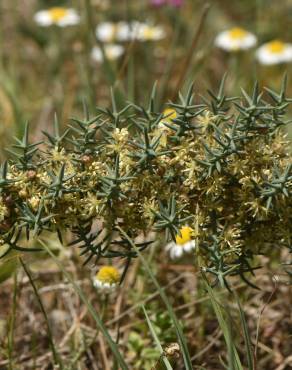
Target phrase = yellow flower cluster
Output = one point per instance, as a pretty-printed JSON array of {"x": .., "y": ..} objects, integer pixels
[{"x": 127, "y": 176}]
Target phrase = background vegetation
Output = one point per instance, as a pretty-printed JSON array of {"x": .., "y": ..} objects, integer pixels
[{"x": 45, "y": 321}]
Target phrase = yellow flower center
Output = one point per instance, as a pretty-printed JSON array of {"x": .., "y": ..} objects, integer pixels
[
  {"x": 108, "y": 274},
  {"x": 169, "y": 114},
  {"x": 185, "y": 236},
  {"x": 57, "y": 13},
  {"x": 149, "y": 33},
  {"x": 110, "y": 54},
  {"x": 237, "y": 33},
  {"x": 276, "y": 47}
]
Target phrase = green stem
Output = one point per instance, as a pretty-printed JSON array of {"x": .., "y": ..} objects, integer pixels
[
  {"x": 12, "y": 325},
  {"x": 56, "y": 357}
]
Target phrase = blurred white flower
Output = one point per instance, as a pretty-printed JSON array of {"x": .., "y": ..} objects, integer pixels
[
  {"x": 106, "y": 31},
  {"x": 183, "y": 243},
  {"x": 235, "y": 39},
  {"x": 112, "y": 52},
  {"x": 274, "y": 52},
  {"x": 127, "y": 31},
  {"x": 146, "y": 32},
  {"x": 57, "y": 16},
  {"x": 107, "y": 279},
  {"x": 124, "y": 31}
]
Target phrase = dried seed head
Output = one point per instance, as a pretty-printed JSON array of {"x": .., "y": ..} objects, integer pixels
[
  {"x": 172, "y": 350},
  {"x": 86, "y": 159},
  {"x": 31, "y": 174}
]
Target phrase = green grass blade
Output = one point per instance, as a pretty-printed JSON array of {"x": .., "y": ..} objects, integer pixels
[
  {"x": 157, "y": 341},
  {"x": 56, "y": 357},
  {"x": 233, "y": 358},
  {"x": 179, "y": 333},
  {"x": 91, "y": 309},
  {"x": 247, "y": 339},
  {"x": 11, "y": 326}
]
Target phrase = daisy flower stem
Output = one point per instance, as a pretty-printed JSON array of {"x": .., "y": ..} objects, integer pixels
[
  {"x": 104, "y": 306},
  {"x": 170, "y": 60},
  {"x": 57, "y": 49},
  {"x": 90, "y": 36},
  {"x": 189, "y": 56},
  {"x": 234, "y": 67}
]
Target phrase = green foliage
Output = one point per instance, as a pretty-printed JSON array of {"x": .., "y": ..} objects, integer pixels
[
  {"x": 145, "y": 356},
  {"x": 221, "y": 167}
]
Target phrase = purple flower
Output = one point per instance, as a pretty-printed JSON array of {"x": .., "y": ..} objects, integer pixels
[{"x": 158, "y": 2}]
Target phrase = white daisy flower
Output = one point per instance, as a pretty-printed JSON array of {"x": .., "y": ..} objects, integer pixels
[
  {"x": 147, "y": 32},
  {"x": 183, "y": 243},
  {"x": 235, "y": 39},
  {"x": 107, "y": 279},
  {"x": 124, "y": 31},
  {"x": 106, "y": 31},
  {"x": 120, "y": 31},
  {"x": 127, "y": 31},
  {"x": 274, "y": 52},
  {"x": 57, "y": 16},
  {"x": 112, "y": 52}
]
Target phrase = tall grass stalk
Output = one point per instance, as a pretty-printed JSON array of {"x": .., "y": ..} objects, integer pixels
[
  {"x": 234, "y": 362},
  {"x": 11, "y": 325},
  {"x": 247, "y": 339},
  {"x": 57, "y": 359},
  {"x": 157, "y": 341}
]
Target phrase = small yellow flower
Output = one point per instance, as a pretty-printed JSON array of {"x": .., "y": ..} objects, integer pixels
[
  {"x": 235, "y": 39},
  {"x": 34, "y": 202},
  {"x": 205, "y": 119},
  {"x": 184, "y": 243},
  {"x": 169, "y": 114},
  {"x": 120, "y": 139},
  {"x": 107, "y": 279},
  {"x": 274, "y": 52},
  {"x": 57, "y": 16},
  {"x": 185, "y": 235},
  {"x": 92, "y": 204}
]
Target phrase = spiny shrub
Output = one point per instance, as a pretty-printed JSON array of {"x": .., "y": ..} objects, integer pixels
[{"x": 221, "y": 167}]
